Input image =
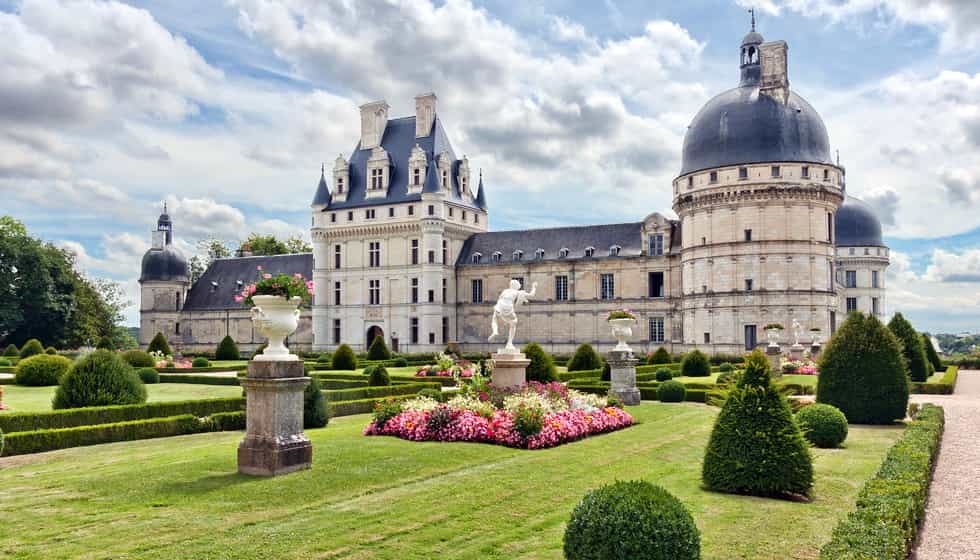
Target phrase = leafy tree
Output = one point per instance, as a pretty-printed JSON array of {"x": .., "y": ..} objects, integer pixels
[
  {"x": 756, "y": 447},
  {"x": 585, "y": 359},
  {"x": 208, "y": 250},
  {"x": 912, "y": 349},
  {"x": 862, "y": 372},
  {"x": 123, "y": 339},
  {"x": 227, "y": 349},
  {"x": 541, "y": 368},
  {"x": 159, "y": 344},
  {"x": 378, "y": 349},
  {"x": 931, "y": 353},
  {"x": 259, "y": 244}
]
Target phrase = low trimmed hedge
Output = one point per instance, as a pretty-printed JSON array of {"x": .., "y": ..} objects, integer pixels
[
  {"x": 395, "y": 379},
  {"x": 73, "y": 417},
  {"x": 198, "y": 379},
  {"x": 360, "y": 406},
  {"x": 22, "y": 443},
  {"x": 227, "y": 421},
  {"x": 892, "y": 503},
  {"x": 379, "y": 391},
  {"x": 945, "y": 386},
  {"x": 210, "y": 369}
]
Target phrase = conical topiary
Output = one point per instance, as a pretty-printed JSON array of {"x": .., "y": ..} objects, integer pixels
[
  {"x": 30, "y": 348},
  {"x": 11, "y": 351},
  {"x": 661, "y": 356},
  {"x": 344, "y": 359},
  {"x": 378, "y": 350},
  {"x": 159, "y": 344},
  {"x": 862, "y": 372},
  {"x": 227, "y": 350},
  {"x": 931, "y": 353},
  {"x": 695, "y": 364},
  {"x": 756, "y": 447},
  {"x": 316, "y": 413},
  {"x": 912, "y": 349},
  {"x": 585, "y": 359},
  {"x": 541, "y": 368}
]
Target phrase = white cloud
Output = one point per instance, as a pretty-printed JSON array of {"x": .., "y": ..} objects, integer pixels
[
  {"x": 203, "y": 218},
  {"x": 950, "y": 267}
]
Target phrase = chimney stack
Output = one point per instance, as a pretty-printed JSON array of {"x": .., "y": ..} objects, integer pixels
[
  {"x": 374, "y": 118},
  {"x": 775, "y": 76},
  {"x": 425, "y": 114}
]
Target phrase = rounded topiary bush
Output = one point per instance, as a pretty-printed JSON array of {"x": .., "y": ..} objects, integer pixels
[
  {"x": 51, "y": 351},
  {"x": 148, "y": 375},
  {"x": 200, "y": 361},
  {"x": 695, "y": 364},
  {"x": 399, "y": 362},
  {"x": 41, "y": 370},
  {"x": 725, "y": 366},
  {"x": 227, "y": 350},
  {"x": 912, "y": 348},
  {"x": 344, "y": 359},
  {"x": 324, "y": 358},
  {"x": 30, "y": 348},
  {"x": 755, "y": 446},
  {"x": 101, "y": 378},
  {"x": 138, "y": 358},
  {"x": 159, "y": 344},
  {"x": 631, "y": 519},
  {"x": 862, "y": 372},
  {"x": 11, "y": 351},
  {"x": 664, "y": 374},
  {"x": 822, "y": 425},
  {"x": 671, "y": 391},
  {"x": 377, "y": 376},
  {"x": 661, "y": 356},
  {"x": 541, "y": 368},
  {"x": 378, "y": 350},
  {"x": 585, "y": 359},
  {"x": 316, "y": 414}
]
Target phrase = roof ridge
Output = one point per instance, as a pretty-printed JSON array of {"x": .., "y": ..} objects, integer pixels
[
  {"x": 561, "y": 227},
  {"x": 239, "y": 257}
]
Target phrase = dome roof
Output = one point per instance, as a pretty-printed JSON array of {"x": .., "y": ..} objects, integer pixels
[
  {"x": 856, "y": 225},
  {"x": 743, "y": 125},
  {"x": 166, "y": 265},
  {"x": 752, "y": 38}
]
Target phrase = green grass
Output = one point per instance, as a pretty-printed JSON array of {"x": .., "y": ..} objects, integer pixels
[
  {"x": 810, "y": 380},
  {"x": 228, "y": 363},
  {"x": 385, "y": 498},
  {"x": 38, "y": 399}
]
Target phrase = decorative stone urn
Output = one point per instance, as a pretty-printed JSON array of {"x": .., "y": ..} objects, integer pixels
[
  {"x": 622, "y": 329},
  {"x": 275, "y": 317},
  {"x": 773, "y": 336}
]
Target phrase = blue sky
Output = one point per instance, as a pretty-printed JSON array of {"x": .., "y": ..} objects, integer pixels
[{"x": 574, "y": 110}]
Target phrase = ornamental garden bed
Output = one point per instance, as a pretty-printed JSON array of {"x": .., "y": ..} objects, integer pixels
[{"x": 533, "y": 416}]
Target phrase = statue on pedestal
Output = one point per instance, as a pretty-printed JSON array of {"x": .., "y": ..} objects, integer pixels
[{"x": 506, "y": 310}]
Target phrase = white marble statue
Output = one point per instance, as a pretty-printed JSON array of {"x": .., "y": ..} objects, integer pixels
[
  {"x": 797, "y": 332},
  {"x": 506, "y": 311}
]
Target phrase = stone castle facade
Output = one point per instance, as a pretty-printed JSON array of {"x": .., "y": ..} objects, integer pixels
[{"x": 764, "y": 233}]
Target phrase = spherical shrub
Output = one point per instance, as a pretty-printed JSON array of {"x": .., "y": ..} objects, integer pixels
[
  {"x": 344, "y": 359},
  {"x": 671, "y": 391},
  {"x": 159, "y": 344},
  {"x": 316, "y": 414},
  {"x": 51, "y": 351},
  {"x": 725, "y": 366},
  {"x": 32, "y": 347},
  {"x": 378, "y": 350},
  {"x": 377, "y": 376},
  {"x": 695, "y": 364},
  {"x": 399, "y": 362},
  {"x": 755, "y": 446},
  {"x": 585, "y": 359},
  {"x": 912, "y": 347},
  {"x": 101, "y": 378},
  {"x": 862, "y": 372},
  {"x": 41, "y": 370},
  {"x": 138, "y": 358},
  {"x": 823, "y": 425},
  {"x": 148, "y": 375},
  {"x": 227, "y": 350},
  {"x": 541, "y": 368},
  {"x": 11, "y": 351},
  {"x": 200, "y": 361},
  {"x": 324, "y": 358},
  {"x": 664, "y": 374},
  {"x": 661, "y": 356},
  {"x": 631, "y": 519}
]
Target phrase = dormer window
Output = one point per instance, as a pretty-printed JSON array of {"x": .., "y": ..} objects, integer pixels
[
  {"x": 463, "y": 177},
  {"x": 377, "y": 179},
  {"x": 340, "y": 185},
  {"x": 445, "y": 168},
  {"x": 518, "y": 255},
  {"x": 589, "y": 251},
  {"x": 341, "y": 173},
  {"x": 614, "y": 250},
  {"x": 539, "y": 254},
  {"x": 416, "y": 176},
  {"x": 416, "y": 166},
  {"x": 378, "y": 172},
  {"x": 445, "y": 179},
  {"x": 497, "y": 255},
  {"x": 476, "y": 258},
  {"x": 563, "y": 253}
]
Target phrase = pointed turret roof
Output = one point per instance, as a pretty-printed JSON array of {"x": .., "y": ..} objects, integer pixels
[
  {"x": 481, "y": 198},
  {"x": 431, "y": 184},
  {"x": 322, "y": 196}
]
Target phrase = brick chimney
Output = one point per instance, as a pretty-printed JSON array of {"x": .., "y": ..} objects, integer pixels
[
  {"x": 374, "y": 118},
  {"x": 425, "y": 114},
  {"x": 775, "y": 76}
]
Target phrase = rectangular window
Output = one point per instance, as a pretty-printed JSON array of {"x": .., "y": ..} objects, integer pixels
[
  {"x": 374, "y": 254},
  {"x": 657, "y": 329},
  {"x": 416, "y": 176},
  {"x": 748, "y": 235},
  {"x": 432, "y": 338},
  {"x": 391, "y": 212},
  {"x": 432, "y": 296},
  {"x": 432, "y": 257},
  {"x": 850, "y": 279},
  {"x": 415, "y": 251},
  {"x": 775, "y": 171},
  {"x": 445, "y": 330},
  {"x": 350, "y": 216},
  {"x": 464, "y": 216},
  {"x": 690, "y": 182},
  {"x": 657, "y": 244},
  {"x": 607, "y": 286},
  {"x": 826, "y": 174},
  {"x": 655, "y": 284},
  {"x": 415, "y": 290},
  {"x": 561, "y": 288},
  {"x": 336, "y": 331},
  {"x": 743, "y": 172},
  {"x": 411, "y": 210},
  {"x": 874, "y": 306},
  {"x": 874, "y": 279},
  {"x": 713, "y": 177},
  {"x": 336, "y": 256},
  {"x": 748, "y": 284},
  {"x": 333, "y": 217},
  {"x": 707, "y": 338},
  {"x": 445, "y": 251},
  {"x": 414, "y": 330},
  {"x": 336, "y": 293},
  {"x": 476, "y": 218},
  {"x": 432, "y": 210},
  {"x": 852, "y": 304},
  {"x": 830, "y": 227},
  {"x": 374, "y": 292},
  {"x": 476, "y": 289},
  {"x": 444, "y": 291},
  {"x": 450, "y": 211},
  {"x": 177, "y": 328},
  {"x": 369, "y": 214},
  {"x": 751, "y": 337},
  {"x": 806, "y": 172}
]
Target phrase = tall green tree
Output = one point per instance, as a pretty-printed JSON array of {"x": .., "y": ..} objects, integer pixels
[
  {"x": 931, "y": 353},
  {"x": 912, "y": 348},
  {"x": 208, "y": 250},
  {"x": 259, "y": 244}
]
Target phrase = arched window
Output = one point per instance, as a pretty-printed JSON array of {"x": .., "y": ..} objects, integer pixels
[
  {"x": 518, "y": 255},
  {"x": 496, "y": 256},
  {"x": 563, "y": 253},
  {"x": 589, "y": 251},
  {"x": 539, "y": 254},
  {"x": 614, "y": 250},
  {"x": 476, "y": 258}
]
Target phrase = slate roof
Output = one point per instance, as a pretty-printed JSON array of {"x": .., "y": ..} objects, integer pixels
[
  {"x": 856, "y": 225},
  {"x": 204, "y": 295},
  {"x": 399, "y": 139},
  {"x": 166, "y": 265},
  {"x": 322, "y": 195}
]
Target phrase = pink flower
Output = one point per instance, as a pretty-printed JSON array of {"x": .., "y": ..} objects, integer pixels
[
  {"x": 259, "y": 267},
  {"x": 297, "y": 275},
  {"x": 266, "y": 276},
  {"x": 239, "y": 299}
]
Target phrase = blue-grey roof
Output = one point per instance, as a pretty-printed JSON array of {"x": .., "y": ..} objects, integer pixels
[
  {"x": 856, "y": 225},
  {"x": 481, "y": 197},
  {"x": 743, "y": 126},
  {"x": 217, "y": 287},
  {"x": 164, "y": 265},
  {"x": 322, "y": 196},
  {"x": 752, "y": 38},
  {"x": 574, "y": 238},
  {"x": 399, "y": 139}
]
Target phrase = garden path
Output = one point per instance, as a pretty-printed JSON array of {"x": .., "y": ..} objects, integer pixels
[{"x": 951, "y": 530}]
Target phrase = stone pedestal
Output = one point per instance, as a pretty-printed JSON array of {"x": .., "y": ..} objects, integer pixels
[
  {"x": 509, "y": 370},
  {"x": 622, "y": 373},
  {"x": 774, "y": 355},
  {"x": 274, "y": 441},
  {"x": 796, "y": 352},
  {"x": 815, "y": 350}
]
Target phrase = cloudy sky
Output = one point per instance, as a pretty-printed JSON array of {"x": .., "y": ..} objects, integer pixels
[{"x": 575, "y": 112}]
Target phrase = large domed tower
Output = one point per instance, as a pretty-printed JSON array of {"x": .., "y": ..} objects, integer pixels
[
  {"x": 756, "y": 196},
  {"x": 862, "y": 258},
  {"x": 164, "y": 282}
]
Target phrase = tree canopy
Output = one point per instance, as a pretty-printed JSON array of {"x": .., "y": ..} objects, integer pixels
[{"x": 259, "y": 244}]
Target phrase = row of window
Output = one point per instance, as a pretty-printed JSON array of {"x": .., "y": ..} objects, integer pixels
[
  {"x": 747, "y": 233},
  {"x": 372, "y": 214},
  {"x": 867, "y": 251},
  {"x": 413, "y": 331},
  {"x": 852, "y": 305},
  {"x": 607, "y": 286},
  {"x": 374, "y": 292},
  {"x": 374, "y": 254},
  {"x": 656, "y": 249},
  {"x": 775, "y": 171},
  {"x": 850, "y": 279}
]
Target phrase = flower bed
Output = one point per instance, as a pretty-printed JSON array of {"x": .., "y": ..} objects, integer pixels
[
  {"x": 534, "y": 416},
  {"x": 798, "y": 367},
  {"x": 447, "y": 366}
]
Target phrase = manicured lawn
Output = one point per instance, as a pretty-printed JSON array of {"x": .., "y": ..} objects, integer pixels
[
  {"x": 707, "y": 379},
  {"x": 810, "y": 380},
  {"x": 385, "y": 498},
  {"x": 228, "y": 363},
  {"x": 38, "y": 399}
]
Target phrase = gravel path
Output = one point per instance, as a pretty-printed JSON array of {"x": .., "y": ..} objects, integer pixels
[{"x": 951, "y": 530}]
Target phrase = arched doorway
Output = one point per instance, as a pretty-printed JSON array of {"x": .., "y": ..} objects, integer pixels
[{"x": 373, "y": 333}]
